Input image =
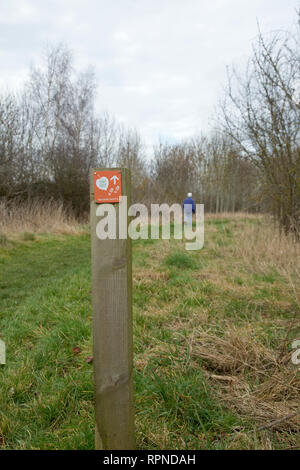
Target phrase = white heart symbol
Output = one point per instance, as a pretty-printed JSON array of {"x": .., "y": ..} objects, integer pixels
[{"x": 102, "y": 183}]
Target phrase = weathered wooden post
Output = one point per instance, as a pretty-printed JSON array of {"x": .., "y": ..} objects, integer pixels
[{"x": 112, "y": 314}]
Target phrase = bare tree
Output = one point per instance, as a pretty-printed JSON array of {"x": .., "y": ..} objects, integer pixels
[
  {"x": 262, "y": 116},
  {"x": 9, "y": 143},
  {"x": 131, "y": 155},
  {"x": 47, "y": 97}
]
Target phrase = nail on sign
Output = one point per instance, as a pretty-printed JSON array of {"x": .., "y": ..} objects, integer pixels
[{"x": 107, "y": 186}]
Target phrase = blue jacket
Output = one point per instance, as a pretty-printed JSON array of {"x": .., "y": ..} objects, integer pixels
[{"x": 189, "y": 205}]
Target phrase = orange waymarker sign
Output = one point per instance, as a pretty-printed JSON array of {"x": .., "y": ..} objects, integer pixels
[{"x": 107, "y": 186}]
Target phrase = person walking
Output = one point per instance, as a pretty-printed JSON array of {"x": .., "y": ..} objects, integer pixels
[{"x": 189, "y": 208}]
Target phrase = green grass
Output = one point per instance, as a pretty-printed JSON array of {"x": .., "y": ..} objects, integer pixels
[
  {"x": 181, "y": 260},
  {"x": 46, "y": 390},
  {"x": 3, "y": 239},
  {"x": 46, "y": 393}
]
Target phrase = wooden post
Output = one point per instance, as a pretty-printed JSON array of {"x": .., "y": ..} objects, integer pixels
[{"x": 112, "y": 330}]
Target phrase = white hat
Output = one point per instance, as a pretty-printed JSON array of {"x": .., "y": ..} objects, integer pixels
[{"x": 189, "y": 194}]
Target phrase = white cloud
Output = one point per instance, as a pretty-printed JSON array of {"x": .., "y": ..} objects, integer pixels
[
  {"x": 160, "y": 65},
  {"x": 16, "y": 12},
  {"x": 120, "y": 36}
]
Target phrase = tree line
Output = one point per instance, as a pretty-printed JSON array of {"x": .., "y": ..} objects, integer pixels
[{"x": 51, "y": 135}]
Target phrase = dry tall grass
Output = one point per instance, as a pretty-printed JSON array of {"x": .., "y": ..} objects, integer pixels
[
  {"x": 252, "y": 378},
  {"x": 262, "y": 247},
  {"x": 36, "y": 217},
  {"x": 233, "y": 215},
  {"x": 257, "y": 380},
  {"x": 244, "y": 346}
]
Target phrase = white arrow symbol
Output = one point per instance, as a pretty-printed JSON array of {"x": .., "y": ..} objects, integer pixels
[{"x": 115, "y": 178}]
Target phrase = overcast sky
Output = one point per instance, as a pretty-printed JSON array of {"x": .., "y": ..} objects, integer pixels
[{"x": 160, "y": 64}]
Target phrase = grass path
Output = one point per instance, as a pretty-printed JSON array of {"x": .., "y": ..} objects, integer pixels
[
  {"x": 46, "y": 389},
  {"x": 212, "y": 364}
]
